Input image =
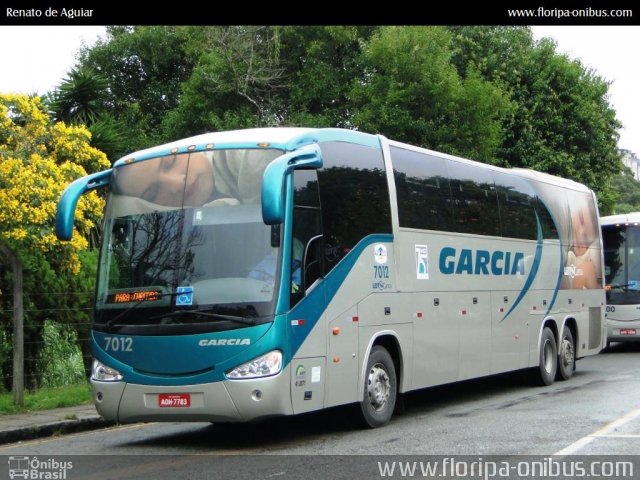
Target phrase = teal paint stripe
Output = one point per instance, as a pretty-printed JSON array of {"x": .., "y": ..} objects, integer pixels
[
  {"x": 532, "y": 274},
  {"x": 315, "y": 303},
  {"x": 557, "y": 289}
]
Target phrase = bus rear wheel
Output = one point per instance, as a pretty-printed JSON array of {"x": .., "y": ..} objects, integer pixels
[
  {"x": 566, "y": 355},
  {"x": 380, "y": 388},
  {"x": 545, "y": 372}
]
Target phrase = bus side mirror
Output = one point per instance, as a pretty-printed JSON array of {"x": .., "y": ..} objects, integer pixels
[
  {"x": 275, "y": 176},
  {"x": 69, "y": 200}
]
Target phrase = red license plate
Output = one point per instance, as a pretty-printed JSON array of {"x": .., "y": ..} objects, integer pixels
[
  {"x": 174, "y": 400},
  {"x": 627, "y": 331}
]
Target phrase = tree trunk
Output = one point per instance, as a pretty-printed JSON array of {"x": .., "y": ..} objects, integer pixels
[{"x": 8, "y": 256}]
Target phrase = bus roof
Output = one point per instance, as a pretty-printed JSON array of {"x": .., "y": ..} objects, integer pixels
[
  {"x": 621, "y": 219},
  {"x": 290, "y": 138},
  {"x": 551, "y": 179},
  {"x": 286, "y": 138}
]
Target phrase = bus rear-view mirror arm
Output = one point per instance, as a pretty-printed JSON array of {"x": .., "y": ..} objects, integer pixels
[
  {"x": 69, "y": 200},
  {"x": 274, "y": 180}
]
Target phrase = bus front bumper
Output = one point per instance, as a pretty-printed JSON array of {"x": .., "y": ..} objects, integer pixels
[
  {"x": 621, "y": 331},
  {"x": 226, "y": 401}
]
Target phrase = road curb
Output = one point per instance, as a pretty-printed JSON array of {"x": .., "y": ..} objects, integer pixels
[{"x": 52, "y": 429}]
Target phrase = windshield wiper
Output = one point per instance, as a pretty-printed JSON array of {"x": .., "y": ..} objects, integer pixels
[
  {"x": 204, "y": 313},
  {"x": 113, "y": 321}
]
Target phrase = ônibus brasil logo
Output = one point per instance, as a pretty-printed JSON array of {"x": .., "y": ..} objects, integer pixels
[{"x": 35, "y": 468}]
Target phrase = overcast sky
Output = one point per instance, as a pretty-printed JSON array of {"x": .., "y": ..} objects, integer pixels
[{"x": 35, "y": 59}]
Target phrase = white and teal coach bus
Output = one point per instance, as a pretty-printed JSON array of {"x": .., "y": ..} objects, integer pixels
[
  {"x": 255, "y": 273},
  {"x": 621, "y": 239}
]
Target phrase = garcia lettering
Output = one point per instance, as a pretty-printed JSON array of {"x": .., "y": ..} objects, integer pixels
[
  {"x": 480, "y": 262},
  {"x": 218, "y": 342}
]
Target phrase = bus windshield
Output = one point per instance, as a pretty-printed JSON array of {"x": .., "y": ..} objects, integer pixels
[
  {"x": 187, "y": 251},
  {"x": 622, "y": 263}
]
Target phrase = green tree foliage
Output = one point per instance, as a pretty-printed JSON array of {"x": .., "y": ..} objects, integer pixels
[
  {"x": 320, "y": 65},
  {"x": 145, "y": 68},
  {"x": 627, "y": 189},
  {"x": 488, "y": 93},
  {"x": 80, "y": 99},
  {"x": 234, "y": 83},
  {"x": 562, "y": 122},
  {"x": 38, "y": 159},
  {"x": 60, "y": 359},
  {"x": 412, "y": 92}
]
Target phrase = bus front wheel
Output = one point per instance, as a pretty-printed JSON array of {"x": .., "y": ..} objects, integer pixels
[
  {"x": 545, "y": 372},
  {"x": 566, "y": 356},
  {"x": 380, "y": 388}
]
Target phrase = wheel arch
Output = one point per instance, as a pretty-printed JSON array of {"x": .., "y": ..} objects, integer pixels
[
  {"x": 571, "y": 323},
  {"x": 552, "y": 323},
  {"x": 391, "y": 342}
]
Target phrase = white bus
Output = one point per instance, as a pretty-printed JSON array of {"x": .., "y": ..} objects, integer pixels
[
  {"x": 254, "y": 273},
  {"x": 621, "y": 239}
]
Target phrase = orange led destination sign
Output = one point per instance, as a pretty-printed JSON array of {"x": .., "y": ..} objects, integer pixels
[{"x": 138, "y": 296}]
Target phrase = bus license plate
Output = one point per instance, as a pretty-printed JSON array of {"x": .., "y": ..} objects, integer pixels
[
  {"x": 174, "y": 400},
  {"x": 627, "y": 331}
]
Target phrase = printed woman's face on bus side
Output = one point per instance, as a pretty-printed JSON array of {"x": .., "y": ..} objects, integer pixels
[
  {"x": 583, "y": 230},
  {"x": 164, "y": 181}
]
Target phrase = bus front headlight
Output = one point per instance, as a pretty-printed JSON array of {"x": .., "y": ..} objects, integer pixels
[
  {"x": 263, "y": 366},
  {"x": 102, "y": 373}
]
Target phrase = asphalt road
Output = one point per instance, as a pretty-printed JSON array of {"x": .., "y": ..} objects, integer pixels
[{"x": 597, "y": 412}]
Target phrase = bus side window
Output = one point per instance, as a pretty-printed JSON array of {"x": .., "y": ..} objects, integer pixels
[
  {"x": 307, "y": 242},
  {"x": 312, "y": 263}
]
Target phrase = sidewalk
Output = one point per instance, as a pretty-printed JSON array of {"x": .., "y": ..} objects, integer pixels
[{"x": 44, "y": 423}]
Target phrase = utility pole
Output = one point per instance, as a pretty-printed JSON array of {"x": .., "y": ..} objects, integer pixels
[{"x": 7, "y": 255}]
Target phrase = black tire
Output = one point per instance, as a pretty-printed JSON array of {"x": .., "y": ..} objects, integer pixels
[
  {"x": 566, "y": 355},
  {"x": 380, "y": 389},
  {"x": 545, "y": 372}
]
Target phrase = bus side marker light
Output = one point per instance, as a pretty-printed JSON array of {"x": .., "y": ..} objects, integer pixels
[
  {"x": 336, "y": 331},
  {"x": 336, "y": 359},
  {"x": 297, "y": 323},
  {"x": 354, "y": 319}
]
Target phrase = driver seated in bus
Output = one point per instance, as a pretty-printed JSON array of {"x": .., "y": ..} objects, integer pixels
[{"x": 266, "y": 268}]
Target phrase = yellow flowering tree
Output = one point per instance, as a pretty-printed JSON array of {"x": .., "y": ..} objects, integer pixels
[{"x": 38, "y": 159}]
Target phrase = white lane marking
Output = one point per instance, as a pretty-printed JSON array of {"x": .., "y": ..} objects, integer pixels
[{"x": 606, "y": 431}]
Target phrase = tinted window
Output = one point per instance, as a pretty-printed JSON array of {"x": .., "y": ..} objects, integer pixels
[
  {"x": 517, "y": 201},
  {"x": 552, "y": 207},
  {"x": 549, "y": 229},
  {"x": 422, "y": 189},
  {"x": 622, "y": 263},
  {"x": 475, "y": 205},
  {"x": 354, "y": 197},
  {"x": 305, "y": 188},
  {"x": 307, "y": 243}
]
